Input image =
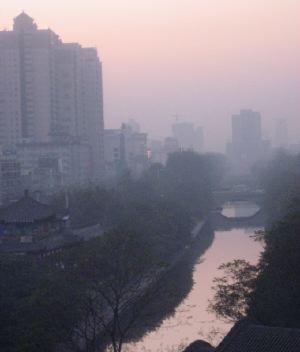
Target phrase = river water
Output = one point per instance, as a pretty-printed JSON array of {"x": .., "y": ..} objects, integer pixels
[{"x": 191, "y": 320}]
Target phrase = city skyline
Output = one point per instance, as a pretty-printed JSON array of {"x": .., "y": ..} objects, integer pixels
[{"x": 225, "y": 56}]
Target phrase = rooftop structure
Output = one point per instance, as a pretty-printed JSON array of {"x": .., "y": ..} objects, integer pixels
[
  {"x": 24, "y": 23},
  {"x": 251, "y": 336},
  {"x": 26, "y": 211},
  {"x": 28, "y": 221}
]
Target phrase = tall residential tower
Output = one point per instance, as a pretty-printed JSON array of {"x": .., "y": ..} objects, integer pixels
[
  {"x": 247, "y": 145},
  {"x": 50, "y": 91}
]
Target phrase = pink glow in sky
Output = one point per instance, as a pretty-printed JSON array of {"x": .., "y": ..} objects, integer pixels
[{"x": 201, "y": 59}]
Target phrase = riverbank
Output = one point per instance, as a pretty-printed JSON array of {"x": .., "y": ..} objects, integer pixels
[
  {"x": 174, "y": 285},
  {"x": 190, "y": 320},
  {"x": 170, "y": 285}
]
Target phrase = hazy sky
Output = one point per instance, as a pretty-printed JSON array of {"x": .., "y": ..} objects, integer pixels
[{"x": 200, "y": 59}]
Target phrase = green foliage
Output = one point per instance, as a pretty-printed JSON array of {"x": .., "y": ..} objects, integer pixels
[
  {"x": 88, "y": 206},
  {"x": 276, "y": 298},
  {"x": 233, "y": 290},
  {"x": 114, "y": 271},
  {"x": 281, "y": 180},
  {"x": 186, "y": 183},
  {"x": 75, "y": 296},
  {"x": 78, "y": 294},
  {"x": 189, "y": 179},
  {"x": 270, "y": 291},
  {"x": 37, "y": 306}
]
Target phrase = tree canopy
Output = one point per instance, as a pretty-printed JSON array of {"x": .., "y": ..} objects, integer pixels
[{"x": 269, "y": 291}]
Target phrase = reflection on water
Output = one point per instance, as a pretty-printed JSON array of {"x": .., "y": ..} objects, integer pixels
[
  {"x": 239, "y": 209},
  {"x": 191, "y": 320}
]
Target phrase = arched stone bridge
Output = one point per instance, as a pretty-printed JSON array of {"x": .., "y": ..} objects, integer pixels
[
  {"x": 254, "y": 196},
  {"x": 222, "y": 222}
]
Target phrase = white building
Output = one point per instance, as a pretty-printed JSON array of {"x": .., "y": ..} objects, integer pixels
[
  {"x": 125, "y": 150},
  {"x": 49, "y": 90},
  {"x": 50, "y": 166}
]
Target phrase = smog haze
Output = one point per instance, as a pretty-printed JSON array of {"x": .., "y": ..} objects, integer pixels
[{"x": 202, "y": 60}]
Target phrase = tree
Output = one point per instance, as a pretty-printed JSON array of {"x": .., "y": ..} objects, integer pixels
[
  {"x": 88, "y": 206},
  {"x": 269, "y": 291},
  {"x": 189, "y": 179},
  {"x": 280, "y": 178},
  {"x": 276, "y": 298},
  {"x": 38, "y": 306},
  {"x": 233, "y": 290},
  {"x": 116, "y": 271}
]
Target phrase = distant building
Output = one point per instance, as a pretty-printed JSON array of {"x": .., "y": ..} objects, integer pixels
[
  {"x": 184, "y": 133},
  {"x": 125, "y": 150},
  {"x": 281, "y": 138},
  {"x": 49, "y": 167},
  {"x": 113, "y": 153},
  {"x": 247, "y": 146},
  {"x": 188, "y": 137},
  {"x": 171, "y": 145},
  {"x": 294, "y": 148},
  {"x": 134, "y": 125},
  {"x": 199, "y": 140},
  {"x": 50, "y": 90},
  {"x": 10, "y": 180},
  {"x": 157, "y": 153}
]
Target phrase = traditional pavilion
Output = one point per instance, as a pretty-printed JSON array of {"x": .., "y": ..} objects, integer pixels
[{"x": 28, "y": 220}]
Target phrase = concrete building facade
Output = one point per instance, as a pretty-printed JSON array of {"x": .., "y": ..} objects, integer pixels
[
  {"x": 188, "y": 137},
  {"x": 247, "y": 146},
  {"x": 53, "y": 166},
  {"x": 50, "y": 91},
  {"x": 125, "y": 150}
]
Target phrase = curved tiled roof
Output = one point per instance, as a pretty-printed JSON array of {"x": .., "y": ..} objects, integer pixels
[
  {"x": 199, "y": 346},
  {"x": 26, "y": 210},
  {"x": 250, "y": 336}
]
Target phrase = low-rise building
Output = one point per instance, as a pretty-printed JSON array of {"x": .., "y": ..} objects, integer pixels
[
  {"x": 27, "y": 221},
  {"x": 51, "y": 166}
]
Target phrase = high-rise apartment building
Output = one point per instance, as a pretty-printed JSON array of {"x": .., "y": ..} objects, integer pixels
[
  {"x": 246, "y": 129},
  {"x": 247, "y": 145},
  {"x": 49, "y": 91}
]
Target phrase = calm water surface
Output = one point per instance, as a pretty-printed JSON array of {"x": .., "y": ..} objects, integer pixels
[{"x": 191, "y": 320}]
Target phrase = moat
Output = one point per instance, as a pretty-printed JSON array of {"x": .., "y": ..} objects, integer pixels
[{"x": 191, "y": 320}]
